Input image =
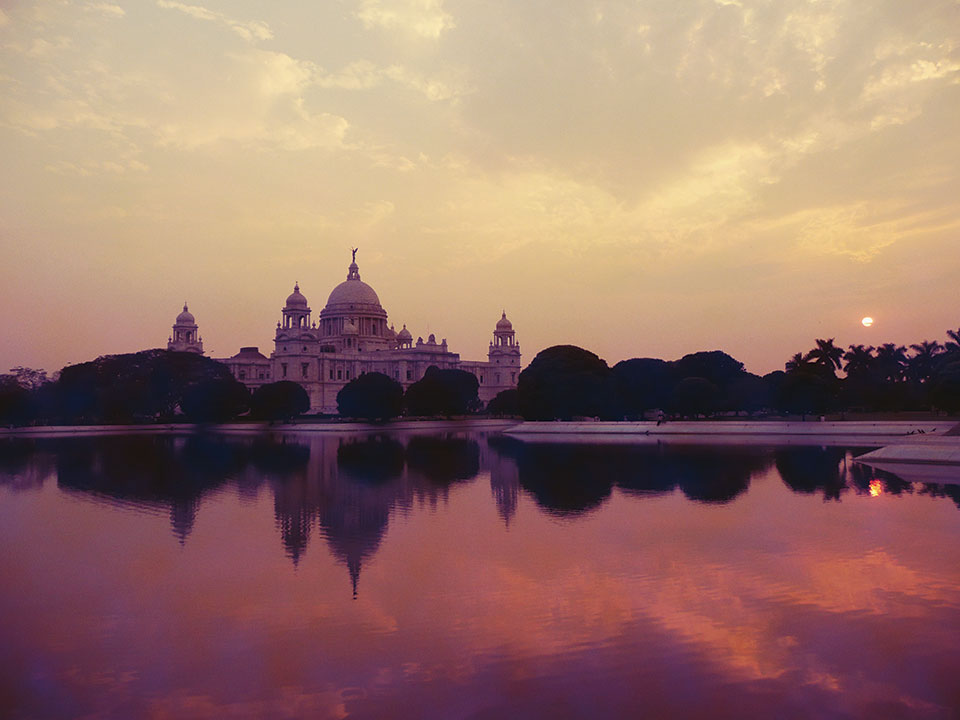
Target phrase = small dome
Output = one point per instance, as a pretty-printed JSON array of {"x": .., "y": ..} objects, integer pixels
[
  {"x": 503, "y": 323},
  {"x": 391, "y": 333},
  {"x": 349, "y": 328},
  {"x": 186, "y": 317},
  {"x": 404, "y": 335},
  {"x": 295, "y": 299}
]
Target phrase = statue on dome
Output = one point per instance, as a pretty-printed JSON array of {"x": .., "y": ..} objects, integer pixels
[{"x": 355, "y": 254}]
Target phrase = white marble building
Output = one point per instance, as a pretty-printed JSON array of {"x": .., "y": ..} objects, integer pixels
[{"x": 351, "y": 337}]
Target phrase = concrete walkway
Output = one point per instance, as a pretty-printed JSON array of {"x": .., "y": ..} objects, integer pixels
[{"x": 457, "y": 425}]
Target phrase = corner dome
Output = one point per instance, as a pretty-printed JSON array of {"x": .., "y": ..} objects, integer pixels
[
  {"x": 186, "y": 317},
  {"x": 296, "y": 299},
  {"x": 404, "y": 334},
  {"x": 503, "y": 323}
]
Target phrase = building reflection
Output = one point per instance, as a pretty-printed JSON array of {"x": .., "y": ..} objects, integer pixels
[{"x": 346, "y": 488}]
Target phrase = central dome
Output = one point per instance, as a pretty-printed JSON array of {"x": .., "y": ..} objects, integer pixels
[{"x": 352, "y": 292}]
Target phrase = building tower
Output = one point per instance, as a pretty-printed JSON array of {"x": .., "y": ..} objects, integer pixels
[
  {"x": 504, "y": 350},
  {"x": 185, "y": 337}
]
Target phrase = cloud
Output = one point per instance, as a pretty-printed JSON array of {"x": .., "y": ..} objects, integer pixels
[
  {"x": 107, "y": 9},
  {"x": 425, "y": 18},
  {"x": 250, "y": 31}
]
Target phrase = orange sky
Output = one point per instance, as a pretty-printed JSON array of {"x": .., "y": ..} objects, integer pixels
[{"x": 642, "y": 178}]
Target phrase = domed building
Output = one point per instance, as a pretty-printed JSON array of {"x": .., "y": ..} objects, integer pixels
[
  {"x": 352, "y": 337},
  {"x": 185, "y": 337}
]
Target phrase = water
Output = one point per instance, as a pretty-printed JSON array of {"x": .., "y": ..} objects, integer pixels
[{"x": 470, "y": 576}]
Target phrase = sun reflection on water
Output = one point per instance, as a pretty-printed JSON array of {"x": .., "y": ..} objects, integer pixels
[{"x": 876, "y": 488}]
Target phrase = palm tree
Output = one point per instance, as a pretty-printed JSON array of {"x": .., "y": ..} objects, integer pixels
[
  {"x": 826, "y": 355},
  {"x": 798, "y": 362},
  {"x": 923, "y": 359},
  {"x": 860, "y": 361},
  {"x": 891, "y": 361},
  {"x": 953, "y": 345}
]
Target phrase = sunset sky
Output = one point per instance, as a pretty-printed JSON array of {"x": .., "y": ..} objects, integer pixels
[{"x": 644, "y": 178}]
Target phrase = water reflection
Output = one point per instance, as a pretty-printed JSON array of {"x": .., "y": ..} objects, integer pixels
[
  {"x": 346, "y": 488},
  {"x": 570, "y": 480},
  {"x": 689, "y": 581}
]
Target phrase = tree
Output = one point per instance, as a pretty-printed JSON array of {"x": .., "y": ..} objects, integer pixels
[
  {"x": 506, "y": 402},
  {"x": 14, "y": 401},
  {"x": 891, "y": 362},
  {"x": 798, "y": 362},
  {"x": 715, "y": 366},
  {"x": 750, "y": 393},
  {"x": 371, "y": 396},
  {"x": 695, "y": 396},
  {"x": 953, "y": 345},
  {"x": 443, "y": 392},
  {"x": 565, "y": 381},
  {"x": 805, "y": 392},
  {"x": 29, "y": 378},
  {"x": 921, "y": 364},
  {"x": 215, "y": 400},
  {"x": 826, "y": 355},
  {"x": 643, "y": 384},
  {"x": 859, "y": 361},
  {"x": 944, "y": 388},
  {"x": 121, "y": 388},
  {"x": 280, "y": 400}
]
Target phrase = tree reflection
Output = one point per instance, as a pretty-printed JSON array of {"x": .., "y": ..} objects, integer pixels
[
  {"x": 812, "y": 469},
  {"x": 22, "y": 467},
  {"x": 150, "y": 471},
  {"x": 572, "y": 479}
]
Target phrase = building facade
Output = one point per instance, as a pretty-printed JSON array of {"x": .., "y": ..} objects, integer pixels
[{"x": 351, "y": 337}]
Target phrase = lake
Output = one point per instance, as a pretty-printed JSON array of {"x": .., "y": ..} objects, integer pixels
[{"x": 470, "y": 575}]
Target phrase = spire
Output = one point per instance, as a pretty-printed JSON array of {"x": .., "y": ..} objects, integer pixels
[
  {"x": 185, "y": 306},
  {"x": 353, "y": 272}
]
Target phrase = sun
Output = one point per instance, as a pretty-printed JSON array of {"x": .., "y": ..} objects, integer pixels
[{"x": 867, "y": 321}]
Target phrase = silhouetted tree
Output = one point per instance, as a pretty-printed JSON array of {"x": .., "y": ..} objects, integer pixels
[
  {"x": 643, "y": 384},
  {"x": 798, "y": 362},
  {"x": 944, "y": 388},
  {"x": 371, "y": 396},
  {"x": 565, "y": 381},
  {"x": 216, "y": 400},
  {"x": 695, "y": 396},
  {"x": 443, "y": 392},
  {"x": 120, "y": 388},
  {"x": 715, "y": 366},
  {"x": 924, "y": 359},
  {"x": 826, "y": 355},
  {"x": 506, "y": 403},
  {"x": 14, "y": 401},
  {"x": 749, "y": 393},
  {"x": 280, "y": 400},
  {"x": 859, "y": 361},
  {"x": 891, "y": 362},
  {"x": 805, "y": 392}
]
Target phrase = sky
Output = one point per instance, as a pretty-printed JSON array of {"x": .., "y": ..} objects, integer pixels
[{"x": 643, "y": 179}]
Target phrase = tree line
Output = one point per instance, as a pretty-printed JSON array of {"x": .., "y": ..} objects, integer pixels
[
  {"x": 567, "y": 382},
  {"x": 562, "y": 382},
  {"x": 165, "y": 386},
  {"x": 152, "y": 385}
]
